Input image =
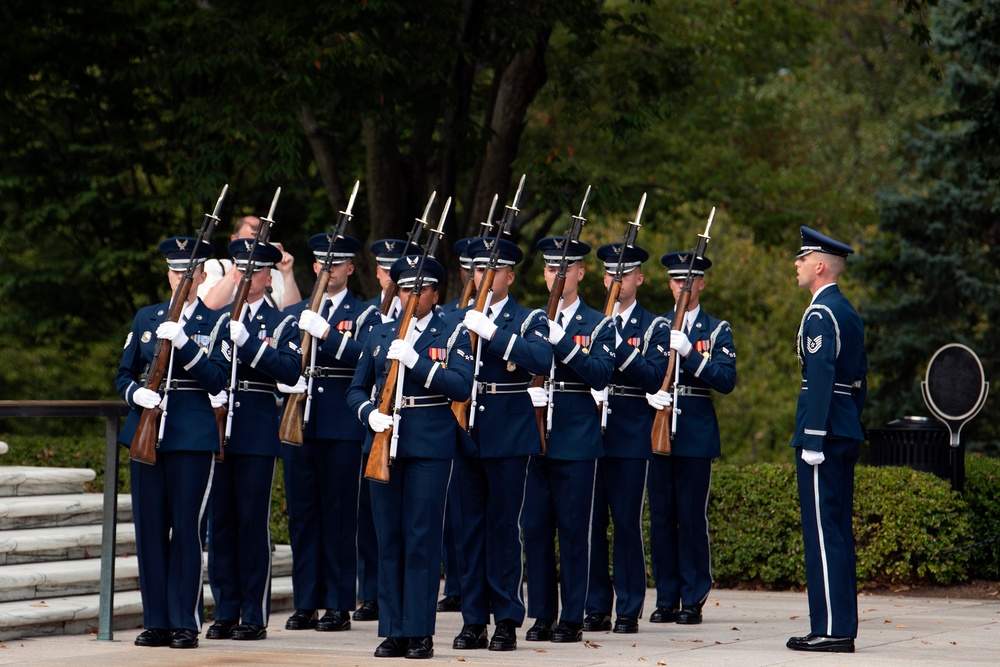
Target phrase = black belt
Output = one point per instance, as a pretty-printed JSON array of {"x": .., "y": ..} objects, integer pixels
[
  {"x": 502, "y": 387},
  {"x": 182, "y": 385},
  {"x": 423, "y": 401},
  {"x": 329, "y": 372},
  {"x": 257, "y": 387},
  {"x": 570, "y": 387},
  {"x": 696, "y": 392},
  {"x": 625, "y": 390}
]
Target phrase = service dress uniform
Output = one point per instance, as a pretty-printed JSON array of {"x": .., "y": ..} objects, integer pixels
[
  {"x": 560, "y": 488},
  {"x": 492, "y": 465},
  {"x": 830, "y": 348},
  {"x": 679, "y": 484},
  {"x": 240, "y": 532},
  {"x": 409, "y": 508},
  {"x": 169, "y": 497},
  {"x": 322, "y": 475},
  {"x": 641, "y": 356}
]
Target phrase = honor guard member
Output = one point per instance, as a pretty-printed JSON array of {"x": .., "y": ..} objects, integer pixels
[
  {"x": 827, "y": 442},
  {"x": 560, "y": 488},
  {"x": 409, "y": 509},
  {"x": 385, "y": 251},
  {"x": 642, "y": 347},
  {"x": 322, "y": 475},
  {"x": 678, "y": 485},
  {"x": 266, "y": 351},
  {"x": 169, "y": 497},
  {"x": 452, "y": 600},
  {"x": 491, "y": 471}
]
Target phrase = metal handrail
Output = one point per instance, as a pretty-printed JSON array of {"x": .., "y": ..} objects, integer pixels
[{"x": 112, "y": 411}]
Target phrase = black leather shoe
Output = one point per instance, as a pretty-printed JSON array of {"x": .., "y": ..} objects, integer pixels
[
  {"x": 334, "y": 620},
  {"x": 626, "y": 625},
  {"x": 154, "y": 637},
  {"x": 184, "y": 638},
  {"x": 248, "y": 632},
  {"x": 450, "y": 603},
  {"x": 814, "y": 642},
  {"x": 392, "y": 647},
  {"x": 567, "y": 633},
  {"x": 368, "y": 611},
  {"x": 504, "y": 637},
  {"x": 541, "y": 631},
  {"x": 472, "y": 636},
  {"x": 689, "y": 615},
  {"x": 420, "y": 648},
  {"x": 220, "y": 630},
  {"x": 663, "y": 615},
  {"x": 302, "y": 619},
  {"x": 597, "y": 622}
]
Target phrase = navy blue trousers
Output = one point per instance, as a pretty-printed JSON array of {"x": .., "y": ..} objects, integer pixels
[
  {"x": 239, "y": 545},
  {"x": 620, "y": 490},
  {"x": 367, "y": 540},
  {"x": 678, "y": 526},
  {"x": 168, "y": 502},
  {"x": 321, "y": 489},
  {"x": 491, "y": 493},
  {"x": 826, "y": 501},
  {"x": 559, "y": 496}
]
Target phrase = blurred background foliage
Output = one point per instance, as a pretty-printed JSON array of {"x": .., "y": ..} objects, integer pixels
[{"x": 874, "y": 122}]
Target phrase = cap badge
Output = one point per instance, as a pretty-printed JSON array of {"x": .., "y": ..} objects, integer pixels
[
  {"x": 412, "y": 261},
  {"x": 558, "y": 243},
  {"x": 182, "y": 245},
  {"x": 390, "y": 246}
]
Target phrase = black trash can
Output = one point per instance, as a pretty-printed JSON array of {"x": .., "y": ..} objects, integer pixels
[{"x": 920, "y": 443}]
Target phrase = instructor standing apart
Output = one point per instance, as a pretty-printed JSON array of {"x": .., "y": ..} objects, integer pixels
[{"x": 827, "y": 441}]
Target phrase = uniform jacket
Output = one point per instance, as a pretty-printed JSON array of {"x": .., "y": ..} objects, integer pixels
[
  {"x": 711, "y": 364},
  {"x": 270, "y": 354},
  {"x": 191, "y": 424},
  {"x": 505, "y": 423},
  {"x": 640, "y": 366},
  {"x": 443, "y": 371},
  {"x": 585, "y": 355},
  {"x": 830, "y": 347},
  {"x": 337, "y": 356}
]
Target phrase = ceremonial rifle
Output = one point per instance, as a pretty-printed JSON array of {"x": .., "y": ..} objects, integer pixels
[
  {"x": 146, "y": 440},
  {"x": 469, "y": 288},
  {"x": 611, "y": 303},
  {"x": 411, "y": 240},
  {"x": 298, "y": 406},
  {"x": 391, "y": 394},
  {"x": 464, "y": 411},
  {"x": 544, "y": 415},
  {"x": 239, "y": 307},
  {"x": 665, "y": 421}
]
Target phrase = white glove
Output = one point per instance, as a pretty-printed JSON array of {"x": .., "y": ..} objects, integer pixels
[
  {"x": 315, "y": 325},
  {"x": 219, "y": 400},
  {"x": 238, "y": 332},
  {"x": 174, "y": 332},
  {"x": 680, "y": 342},
  {"x": 539, "y": 397},
  {"x": 813, "y": 458},
  {"x": 146, "y": 398},
  {"x": 556, "y": 333},
  {"x": 480, "y": 323},
  {"x": 659, "y": 400},
  {"x": 378, "y": 421},
  {"x": 598, "y": 395},
  {"x": 400, "y": 349},
  {"x": 297, "y": 388}
]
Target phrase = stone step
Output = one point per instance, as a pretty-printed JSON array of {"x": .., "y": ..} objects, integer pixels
[
  {"x": 31, "y": 481},
  {"x": 78, "y": 614},
  {"x": 21, "y": 512},
  {"x": 61, "y": 543},
  {"x": 35, "y": 581}
]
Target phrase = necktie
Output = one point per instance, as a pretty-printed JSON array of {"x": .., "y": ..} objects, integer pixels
[
  {"x": 324, "y": 312},
  {"x": 620, "y": 325},
  {"x": 559, "y": 320}
]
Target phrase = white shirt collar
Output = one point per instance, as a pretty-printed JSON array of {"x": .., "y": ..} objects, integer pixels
[
  {"x": 624, "y": 314},
  {"x": 820, "y": 291},
  {"x": 497, "y": 307},
  {"x": 337, "y": 299},
  {"x": 569, "y": 311}
]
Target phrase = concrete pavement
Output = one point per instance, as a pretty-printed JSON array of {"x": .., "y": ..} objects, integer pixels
[{"x": 741, "y": 629}]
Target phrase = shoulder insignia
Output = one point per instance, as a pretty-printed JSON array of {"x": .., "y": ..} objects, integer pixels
[
  {"x": 128, "y": 340},
  {"x": 225, "y": 349},
  {"x": 813, "y": 344},
  {"x": 814, "y": 313}
]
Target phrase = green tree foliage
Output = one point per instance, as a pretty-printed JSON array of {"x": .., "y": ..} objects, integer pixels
[{"x": 934, "y": 271}]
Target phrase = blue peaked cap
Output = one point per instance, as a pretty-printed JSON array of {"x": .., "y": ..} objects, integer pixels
[{"x": 813, "y": 241}]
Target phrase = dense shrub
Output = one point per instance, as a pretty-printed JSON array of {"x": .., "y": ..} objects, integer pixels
[{"x": 982, "y": 490}]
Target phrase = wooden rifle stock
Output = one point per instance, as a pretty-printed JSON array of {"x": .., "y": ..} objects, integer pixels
[
  {"x": 663, "y": 418},
  {"x": 377, "y": 469},
  {"x": 461, "y": 408},
  {"x": 551, "y": 312}
]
